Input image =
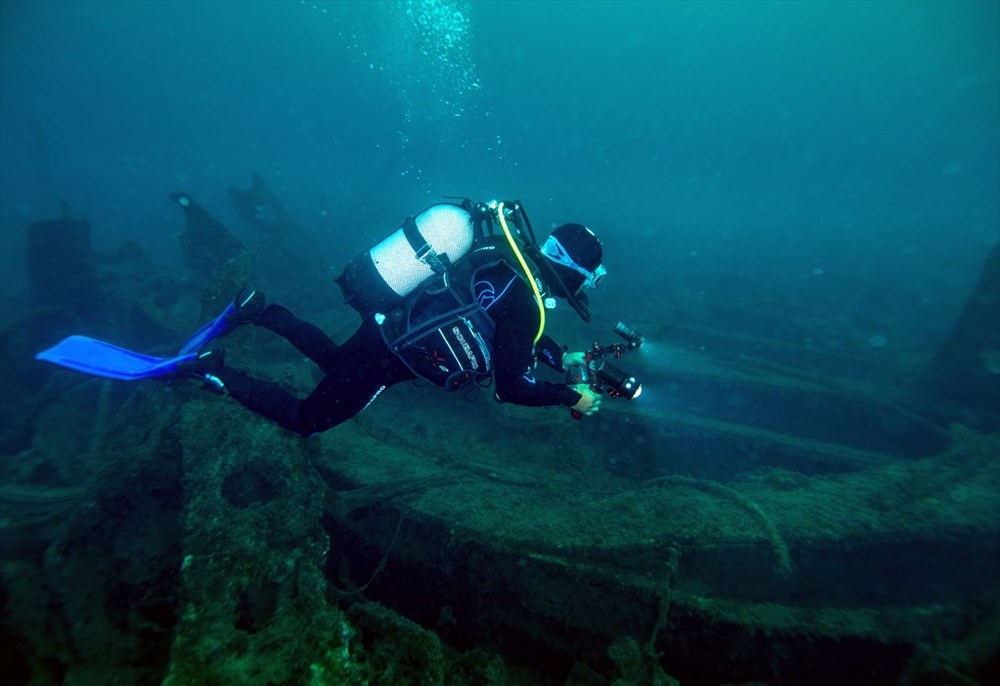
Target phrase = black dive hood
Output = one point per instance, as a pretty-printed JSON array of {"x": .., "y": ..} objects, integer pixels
[
  {"x": 547, "y": 271},
  {"x": 549, "y": 274}
]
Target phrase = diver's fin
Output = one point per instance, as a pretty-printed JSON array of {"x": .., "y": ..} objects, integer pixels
[
  {"x": 99, "y": 358},
  {"x": 215, "y": 328}
]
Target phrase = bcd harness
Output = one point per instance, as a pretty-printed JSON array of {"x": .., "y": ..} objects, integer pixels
[{"x": 441, "y": 330}]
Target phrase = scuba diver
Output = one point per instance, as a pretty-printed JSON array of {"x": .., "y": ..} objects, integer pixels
[
  {"x": 482, "y": 316},
  {"x": 457, "y": 295}
]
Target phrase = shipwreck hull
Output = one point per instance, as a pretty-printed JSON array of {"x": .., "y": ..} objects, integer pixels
[
  {"x": 815, "y": 562},
  {"x": 765, "y": 512}
]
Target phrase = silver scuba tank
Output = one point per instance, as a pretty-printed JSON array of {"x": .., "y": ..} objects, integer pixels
[{"x": 426, "y": 244}]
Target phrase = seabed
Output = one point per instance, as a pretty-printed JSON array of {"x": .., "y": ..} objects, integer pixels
[{"x": 759, "y": 517}]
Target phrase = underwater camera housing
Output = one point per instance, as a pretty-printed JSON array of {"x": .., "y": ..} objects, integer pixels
[{"x": 604, "y": 377}]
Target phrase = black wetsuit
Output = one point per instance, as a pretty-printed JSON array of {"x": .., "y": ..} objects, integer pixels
[{"x": 362, "y": 367}]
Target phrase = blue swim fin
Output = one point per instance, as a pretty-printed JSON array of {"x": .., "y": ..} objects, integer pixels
[
  {"x": 100, "y": 358},
  {"x": 210, "y": 331}
]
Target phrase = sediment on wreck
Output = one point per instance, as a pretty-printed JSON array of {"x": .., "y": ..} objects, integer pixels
[{"x": 252, "y": 557}]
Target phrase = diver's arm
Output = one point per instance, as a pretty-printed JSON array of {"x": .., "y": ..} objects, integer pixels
[
  {"x": 556, "y": 356},
  {"x": 550, "y": 353},
  {"x": 515, "y": 380},
  {"x": 559, "y": 359},
  {"x": 514, "y": 357}
]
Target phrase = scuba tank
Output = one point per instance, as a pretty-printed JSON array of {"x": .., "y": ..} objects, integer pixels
[
  {"x": 429, "y": 243},
  {"x": 425, "y": 245}
]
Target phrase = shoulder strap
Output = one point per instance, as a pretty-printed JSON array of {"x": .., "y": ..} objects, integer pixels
[
  {"x": 422, "y": 249},
  {"x": 527, "y": 271}
]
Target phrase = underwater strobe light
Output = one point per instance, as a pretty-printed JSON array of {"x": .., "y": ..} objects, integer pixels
[{"x": 633, "y": 338}]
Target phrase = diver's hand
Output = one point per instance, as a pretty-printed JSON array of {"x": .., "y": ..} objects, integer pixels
[
  {"x": 573, "y": 360},
  {"x": 589, "y": 402}
]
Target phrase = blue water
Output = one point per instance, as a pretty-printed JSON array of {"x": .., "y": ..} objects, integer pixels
[
  {"x": 810, "y": 148},
  {"x": 796, "y": 199}
]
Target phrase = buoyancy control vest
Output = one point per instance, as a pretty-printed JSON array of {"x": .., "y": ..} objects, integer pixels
[
  {"x": 419, "y": 282},
  {"x": 442, "y": 332}
]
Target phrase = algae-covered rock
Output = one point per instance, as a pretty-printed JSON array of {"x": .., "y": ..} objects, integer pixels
[
  {"x": 62, "y": 270},
  {"x": 206, "y": 244},
  {"x": 95, "y": 602},
  {"x": 399, "y": 651},
  {"x": 290, "y": 258},
  {"x": 253, "y": 599}
]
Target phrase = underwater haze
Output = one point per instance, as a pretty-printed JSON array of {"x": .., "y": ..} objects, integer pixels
[
  {"x": 794, "y": 144},
  {"x": 799, "y": 204}
]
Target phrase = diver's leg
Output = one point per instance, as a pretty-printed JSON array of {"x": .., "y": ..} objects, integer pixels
[
  {"x": 267, "y": 399},
  {"x": 307, "y": 338},
  {"x": 362, "y": 369}
]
